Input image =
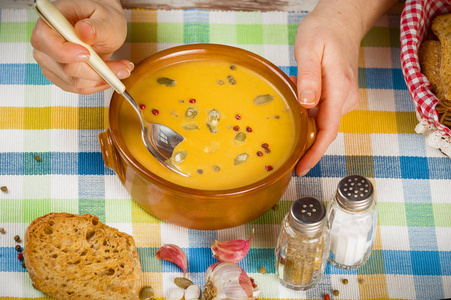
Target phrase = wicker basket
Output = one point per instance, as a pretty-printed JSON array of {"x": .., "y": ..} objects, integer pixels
[{"x": 434, "y": 116}]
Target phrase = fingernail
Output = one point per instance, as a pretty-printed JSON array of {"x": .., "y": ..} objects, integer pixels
[
  {"x": 124, "y": 73},
  {"x": 303, "y": 173},
  {"x": 131, "y": 66},
  {"x": 307, "y": 97},
  {"x": 81, "y": 57},
  {"x": 89, "y": 23}
]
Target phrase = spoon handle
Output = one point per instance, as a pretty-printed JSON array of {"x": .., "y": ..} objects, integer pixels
[{"x": 55, "y": 19}]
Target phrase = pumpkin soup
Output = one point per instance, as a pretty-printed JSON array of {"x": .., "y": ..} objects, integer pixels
[{"x": 237, "y": 127}]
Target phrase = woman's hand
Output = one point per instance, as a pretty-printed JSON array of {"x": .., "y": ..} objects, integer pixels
[
  {"x": 327, "y": 56},
  {"x": 99, "y": 23},
  {"x": 327, "y": 51}
]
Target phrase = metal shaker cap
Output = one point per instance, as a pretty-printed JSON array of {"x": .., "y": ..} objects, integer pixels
[
  {"x": 308, "y": 215},
  {"x": 355, "y": 193}
]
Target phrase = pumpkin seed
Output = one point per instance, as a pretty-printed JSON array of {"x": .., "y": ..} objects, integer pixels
[
  {"x": 231, "y": 79},
  {"x": 213, "y": 117},
  {"x": 213, "y": 120},
  {"x": 263, "y": 99},
  {"x": 190, "y": 126},
  {"x": 212, "y": 128},
  {"x": 146, "y": 293},
  {"x": 220, "y": 82},
  {"x": 182, "y": 282},
  {"x": 232, "y": 67},
  {"x": 240, "y": 159},
  {"x": 179, "y": 156},
  {"x": 239, "y": 138},
  {"x": 166, "y": 81},
  {"x": 216, "y": 168},
  {"x": 191, "y": 113}
]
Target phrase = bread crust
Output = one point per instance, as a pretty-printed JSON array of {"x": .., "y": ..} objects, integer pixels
[
  {"x": 72, "y": 256},
  {"x": 430, "y": 59},
  {"x": 441, "y": 26}
]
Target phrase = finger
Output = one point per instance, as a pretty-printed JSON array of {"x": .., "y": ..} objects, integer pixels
[
  {"x": 122, "y": 69},
  {"x": 48, "y": 41},
  {"x": 309, "y": 58},
  {"x": 57, "y": 73},
  {"x": 327, "y": 120},
  {"x": 104, "y": 29},
  {"x": 323, "y": 139}
]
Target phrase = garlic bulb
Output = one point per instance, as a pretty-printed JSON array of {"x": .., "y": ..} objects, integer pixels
[{"x": 228, "y": 281}]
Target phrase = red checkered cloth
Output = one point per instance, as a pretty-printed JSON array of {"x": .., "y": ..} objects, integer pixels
[{"x": 416, "y": 22}]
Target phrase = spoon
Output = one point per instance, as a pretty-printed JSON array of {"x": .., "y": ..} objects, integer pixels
[{"x": 160, "y": 140}]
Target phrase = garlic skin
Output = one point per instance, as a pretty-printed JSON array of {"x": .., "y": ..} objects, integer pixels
[
  {"x": 173, "y": 253},
  {"x": 192, "y": 292},
  {"x": 228, "y": 281},
  {"x": 231, "y": 251}
]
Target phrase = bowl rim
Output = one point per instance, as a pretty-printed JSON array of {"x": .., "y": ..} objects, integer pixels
[{"x": 181, "y": 53}]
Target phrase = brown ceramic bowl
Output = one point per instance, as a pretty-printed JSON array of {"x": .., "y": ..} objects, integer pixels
[{"x": 194, "y": 208}]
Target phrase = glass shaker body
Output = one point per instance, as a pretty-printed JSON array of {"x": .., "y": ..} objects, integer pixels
[
  {"x": 303, "y": 245},
  {"x": 352, "y": 218}
]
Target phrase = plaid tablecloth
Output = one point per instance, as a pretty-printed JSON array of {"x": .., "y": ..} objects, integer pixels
[{"x": 412, "y": 253}]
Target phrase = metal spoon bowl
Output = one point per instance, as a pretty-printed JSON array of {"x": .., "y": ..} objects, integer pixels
[{"x": 159, "y": 139}]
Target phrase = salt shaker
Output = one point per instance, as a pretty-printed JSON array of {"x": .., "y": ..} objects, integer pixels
[
  {"x": 303, "y": 245},
  {"x": 352, "y": 219}
]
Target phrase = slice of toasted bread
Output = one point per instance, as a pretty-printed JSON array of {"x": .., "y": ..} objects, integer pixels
[
  {"x": 441, "y": 26},
  {"x": 77, "y": 257}
]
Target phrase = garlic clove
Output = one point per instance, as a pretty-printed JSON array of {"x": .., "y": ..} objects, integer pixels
[
  {"x": 231, "y": 251},
  {"x": 175, "y": 294},
  {"x": 192, "y": 292},
  {"x": 228, "y": 281},
  {"x": 174, "y": 254}
]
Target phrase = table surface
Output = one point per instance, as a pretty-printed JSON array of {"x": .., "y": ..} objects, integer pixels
[{"x": 412, "y": 252}]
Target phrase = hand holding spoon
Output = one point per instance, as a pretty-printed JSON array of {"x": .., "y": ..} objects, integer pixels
[{"x": 160, "y": 140}]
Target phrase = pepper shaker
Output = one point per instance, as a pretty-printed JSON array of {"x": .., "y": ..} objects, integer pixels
[
  {"x": 302, "y": 245},
  {"x": 352, "y": 219}
]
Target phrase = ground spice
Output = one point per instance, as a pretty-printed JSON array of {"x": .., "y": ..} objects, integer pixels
[
  {"x": 18, "y": 248},
  {"x": 336, "y": 293},
  {"x": 275, "y": 207},
  {"x": 302, "y": 245},
  {"x": 262, "y": 270},
  {"x": 2, "y": 230},
  {"x": 4, "y": 189},
  {"x": 345, "y": 281},
  {"x": 17, "y": 238},
  {"x": 23, "y": 264},
  {"x": 37, "y": 158}
]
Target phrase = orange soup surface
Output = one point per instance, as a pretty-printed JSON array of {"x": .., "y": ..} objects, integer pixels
[{"x": 237, "y": 126}]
